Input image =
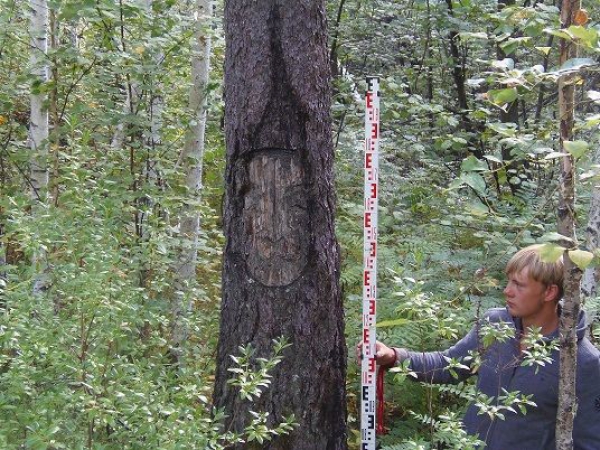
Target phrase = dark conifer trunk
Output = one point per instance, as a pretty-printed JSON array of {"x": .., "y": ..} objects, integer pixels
[{"x": 281, "y": 261}]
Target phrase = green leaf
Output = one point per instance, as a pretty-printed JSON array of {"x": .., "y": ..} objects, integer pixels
[
  {"x": 493, "y": 159},
  {"x": 471, "y": 164},
  {"x": 544, "y": 50},
  {"x": 476, "y": 208},
  {"x": 561, "y": 33},
  {"x": 475, "y": 181},
  {"x": 502, "y": 96},
  {"x": 557, "y": 238},
  {"x": 551, "y": 253},
  {"x": 586, "y": 36},
  {"x": 505, "y": 129},
  {"x": 510, "y": 45},
  {"x": 554, "y": 155},
  {"x": 576, "y": 148},
  {"x": 581, "y": 258},
  {"x": 394, "y": 322},
  {"x": 465, "y": 35}
]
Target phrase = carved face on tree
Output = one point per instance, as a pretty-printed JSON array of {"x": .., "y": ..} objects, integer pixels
[{"x": 276, "y": 218}]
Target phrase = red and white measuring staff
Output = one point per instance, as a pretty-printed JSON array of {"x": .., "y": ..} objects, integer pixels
[{"x": 369, "y": 367}]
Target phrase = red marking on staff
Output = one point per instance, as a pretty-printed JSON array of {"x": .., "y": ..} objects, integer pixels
[
  {"x": 372, "y": 305},
  {"x": 369, "y": 99},
  {"x": 372, "y": 365},
  {"x": 374, "y": 130},
  {"x": 373, "y": 250},
  {"x": 368, "y": 219},
  {"x": 373, "y": 190},
  {"x": 368, "y": 160},
  {"x": 367, "y": 278}
]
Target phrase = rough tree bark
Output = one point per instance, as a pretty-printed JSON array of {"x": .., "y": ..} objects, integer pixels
[
  {"x": 567, "y": 405},
  {"x": 191, "y": 161},
  {"x": 281, "y": 261}
]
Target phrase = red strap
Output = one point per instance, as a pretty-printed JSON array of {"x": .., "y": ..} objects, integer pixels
[
  {"x": 380, "y": 404},
  {"x": 379, "y": 394}
]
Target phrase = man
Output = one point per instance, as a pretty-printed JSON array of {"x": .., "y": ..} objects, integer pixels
[{"x": 532, "y": 294}]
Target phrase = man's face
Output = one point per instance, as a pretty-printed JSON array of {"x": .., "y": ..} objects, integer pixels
[{"x": 527, "y": 298}]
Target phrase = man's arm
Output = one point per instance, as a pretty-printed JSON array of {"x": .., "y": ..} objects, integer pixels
[{"x": 433, "y": 366}]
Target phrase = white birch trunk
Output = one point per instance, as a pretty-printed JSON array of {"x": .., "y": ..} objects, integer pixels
[
  {"x": 38, "y": 125},
  {"x": 38, "y": 119},
  {"x": 191, "y": 160}
]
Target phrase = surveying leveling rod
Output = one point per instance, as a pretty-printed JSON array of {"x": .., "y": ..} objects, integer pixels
[{"x": 371, "y": 166}]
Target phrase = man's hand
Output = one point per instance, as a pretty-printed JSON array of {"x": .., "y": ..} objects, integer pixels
[{"x": 384, "y": 355}]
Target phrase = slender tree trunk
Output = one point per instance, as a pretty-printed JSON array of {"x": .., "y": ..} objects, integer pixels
[
  {"x": 459, "y": 75},
  {"x": 3, "y": 262},
  {"x": 426, "y": 61},
  {"x": 38, "y": 126},
  {"x": 155, "y": 112},
  {"x": 458, "y": 69},
  {"x": 281, "y": 261},
  {"x": 333, "y": 58},
  {"x": 131, "y": 99},
  {"x": 54, "y": 114},
  {"x": 458, "y": 72},
  {"x": 38, "y": 119},
  {"x": 566, "y": 226},
  {"x": 191, "y": 160}
]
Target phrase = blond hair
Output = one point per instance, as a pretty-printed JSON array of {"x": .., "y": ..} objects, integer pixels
[{"x": 547, "y": 273}]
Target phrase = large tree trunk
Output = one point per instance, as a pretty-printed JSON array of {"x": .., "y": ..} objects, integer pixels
[
  {"x": 566, "y": 226},
  {"x": 281, "y": 262},
  {"x": 191, "y": 160}
]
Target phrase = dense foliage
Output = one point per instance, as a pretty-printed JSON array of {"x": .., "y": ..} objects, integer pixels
[{"x": 469, "y": 173}]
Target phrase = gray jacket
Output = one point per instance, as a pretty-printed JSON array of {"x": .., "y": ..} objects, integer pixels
[{"x": 501, "y": 368}]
